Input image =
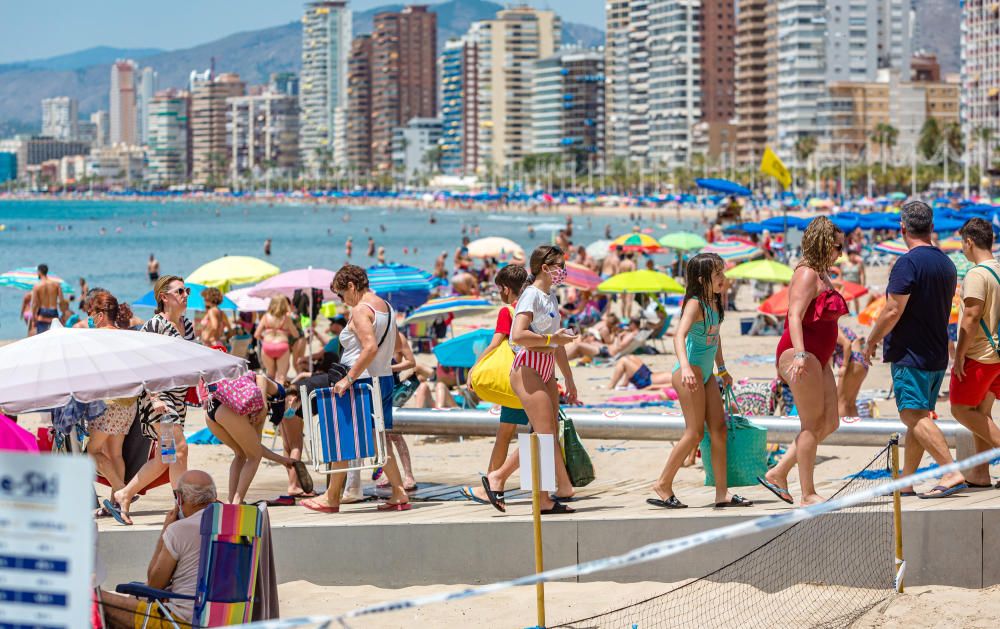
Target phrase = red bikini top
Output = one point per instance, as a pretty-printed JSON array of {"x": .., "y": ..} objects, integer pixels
[{"x": 827, "y": 306}]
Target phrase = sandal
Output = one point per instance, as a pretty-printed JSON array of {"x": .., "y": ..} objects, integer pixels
[
  {"x": 470, "y": 495},
  {"x": 115, "y": 511},
  {"x": 496, "y": 497},
  {"x": 558, "y": 508},
  {"x": 302, "y": 474},
  {"x": 670, "y": 503},
  {"x": 388, "y": 506},
  {"x": 281, "y": 501},
  {"x": 312, "y": 505},
  {"x": 780, "y": 492},
  {"x": 735, "y": 501}
]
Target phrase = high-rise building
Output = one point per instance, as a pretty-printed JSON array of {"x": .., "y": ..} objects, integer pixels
[
  {"x": 980, "y": 74},
  {"x": 459, "y": 106},
  {"x": 34, "y": 150},
  {"x": 567, "y": 105},
  {"x": 59, "y": 118},
  {"x": 209, "y": 140},
  {"x": 124, "y": 127},
  {"x": 8, "y": 166},
  {"x": 284, "y": 83},
  {"x": 413, "y": 147},
  {"x": 263, "y": 134},
  {"x": 717, "y": 53},
  {"x": 756, "y": 77},
  {"x": 359, "y": 106},
  {"x": 169, "y": 129},
  {"x": 102, "y": 128},
  {"x": 326, "y": 47},
  {"x": 508, "y": 46},
  {"x": 616, "y": 84},
  {"x": 148, "y": 84},
  {"x": 404, "y": 75}
]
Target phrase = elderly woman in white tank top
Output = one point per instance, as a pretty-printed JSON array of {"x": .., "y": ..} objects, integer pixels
[{"x": 368, "y": 342}]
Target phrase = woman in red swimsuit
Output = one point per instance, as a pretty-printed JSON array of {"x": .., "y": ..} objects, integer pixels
[{"x": 804, "y": 356}]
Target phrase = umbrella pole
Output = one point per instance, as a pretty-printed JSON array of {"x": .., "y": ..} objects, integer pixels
[{"x": 309, "y": 339}]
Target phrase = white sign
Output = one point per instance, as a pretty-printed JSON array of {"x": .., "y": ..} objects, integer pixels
[
  {"x": 546, "y": 460},
  {"x": 46, "y": 540}
]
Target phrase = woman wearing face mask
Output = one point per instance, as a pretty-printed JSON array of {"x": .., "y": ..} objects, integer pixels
[
  {"x": 540, "y": 347},
  {"x": 171, "y": 303}
]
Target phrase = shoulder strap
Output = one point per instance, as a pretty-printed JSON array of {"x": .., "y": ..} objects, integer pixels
[
  {"x": 388, "y": 325},
  {"x": 982, "y": 322}
]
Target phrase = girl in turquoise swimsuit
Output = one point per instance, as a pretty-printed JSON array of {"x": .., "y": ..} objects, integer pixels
[{"x": 699, "y": 350}]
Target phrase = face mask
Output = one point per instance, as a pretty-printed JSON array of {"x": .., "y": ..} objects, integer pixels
[
  {"x": 90, "y": 322},
  {"x": 558, "y": 275},
  {"x": 290, "y": 413},
  {"x": 180, "y": 509}
]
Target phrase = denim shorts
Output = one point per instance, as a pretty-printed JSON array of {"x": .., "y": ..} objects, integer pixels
[{"x": 916, "y": 389}]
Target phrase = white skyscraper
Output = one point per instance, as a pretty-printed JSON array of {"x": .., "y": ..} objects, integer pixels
[
  {"x": 59, "y": 118},
  {"x": 674, "y": 68},
  {"x": 326, "y": 47},
  {"x": 147, "y": 88},
  {"x": 981, "y": 76}
]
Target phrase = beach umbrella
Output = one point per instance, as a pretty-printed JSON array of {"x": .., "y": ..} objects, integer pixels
[
  {"x": 245, "y": 302},
  {"x": 464, "y": 350},
  {"x": 896, "y": 247},
  {"x": 724, "y": 186},
  {"x": 299, "y": 279},
  {"x": 458, "y": 306},
  {"x": 763, "y": 271},
  {"x": 846, "y": 221},
  {"x": 598, "y": 249},
  {"x": 580, "y": 276},
  {"x": 962, "y": 264},
  {"x": 896, "y": 196},
  {"x": 494, "y": 247},
  {"x": 636, "y": 243},
  {"x": 195, "y": 300},
  {"x": 26, "y": 278},
  {"x": 945, "y": 225},
  {"x": 48, "y": 370},
  {"x": 223, "y": 272},
  {"x": 871, "y": 312},
  {"x": 820, "y": 203},
  {"x": 777, "y": 304},
  {"x": 13, "y": 438},
  {"x": 402, "y": 286},
  {"x": 951, "y": 244},
  {"x": 683, "y": 241},
  {"x": 747, "y": 228},
  {"x": 733, "y": 250},
  {"x": 783, "y": 223},
  {"x": 643, "y": 281}
]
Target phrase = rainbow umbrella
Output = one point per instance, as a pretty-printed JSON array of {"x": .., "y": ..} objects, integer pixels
[
  {"x": 683, "y": 241},
  {"x": 896, "y": 247},
  {"x": 641, "y": 282},
  {"x": 732, "y": 250},
  {"x": 636, "y": 243},
  {"x": 458, "y": 306},
  {"x": 951, "y": 244},
  {"x": 580, "y": 276},
  {"x": 762, "y": 271},
  {"x": 26, "y": 278}
]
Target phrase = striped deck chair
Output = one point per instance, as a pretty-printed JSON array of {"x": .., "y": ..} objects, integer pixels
[
  {"x": 345, "y": 428},
  {"x": 227, "y": 570}
]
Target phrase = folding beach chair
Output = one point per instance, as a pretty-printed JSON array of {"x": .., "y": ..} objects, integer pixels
[
  {"x": 637, "y": 341},
  {"x": 227, "y": 571},
  {"x": 345, "y": 428}
]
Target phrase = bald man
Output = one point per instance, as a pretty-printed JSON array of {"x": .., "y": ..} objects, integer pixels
[{"x": 174, "y": 566}]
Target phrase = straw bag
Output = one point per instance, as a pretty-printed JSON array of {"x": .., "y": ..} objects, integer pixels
[
  {"x": 490, "y": 377},
  {"x": 746, "y": 448}
]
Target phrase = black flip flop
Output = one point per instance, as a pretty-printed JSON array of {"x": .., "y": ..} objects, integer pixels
[
  {"x": 302, "y": 474},
  {"x": 735, "y": 501},
  {"x": 978, "y": 486},
  {"x": 496, "y": 497},
  {"x": 115, "y": 512},
  {"x": 907, "y": 494},
  {"x": 670, "y": 503},
  {"x": 558, "y": 508}
]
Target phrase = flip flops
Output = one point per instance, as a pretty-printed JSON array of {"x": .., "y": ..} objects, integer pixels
[
  {"x": 302, "y": 474},
  {"x": 496, "y": 497},
  {"x": 558, "y": 508},
  {"x": 943, "y": 492},
  {"x": 281, "y": 501},
  {"x": 780, "y": 492},
  {"x": 312, "y": 505},
  {"x": 470, "y": 495},
  {"x": 735, "y": 501},
  {"x": 115, "y": 511},
  {"x": 670, "y": 503},
  {"x": 388, "y": 506}
]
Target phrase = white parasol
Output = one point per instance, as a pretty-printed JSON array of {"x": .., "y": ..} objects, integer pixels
[{"x": 47, "y": 370}]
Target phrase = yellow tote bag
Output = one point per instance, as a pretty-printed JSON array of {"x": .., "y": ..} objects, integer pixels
[{"x": 490, "y": 378}]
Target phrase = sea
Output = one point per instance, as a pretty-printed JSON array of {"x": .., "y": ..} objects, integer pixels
[{"x": 109, "y": 242}]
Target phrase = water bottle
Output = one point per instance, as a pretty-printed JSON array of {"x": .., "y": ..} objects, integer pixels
[{"x": 168, "y": 445}]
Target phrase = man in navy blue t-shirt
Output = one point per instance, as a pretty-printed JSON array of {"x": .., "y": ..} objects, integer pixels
[{"x": 914, "y": 324}]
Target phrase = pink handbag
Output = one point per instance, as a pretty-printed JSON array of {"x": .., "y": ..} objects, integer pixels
[{"x": 241, "y": 395}]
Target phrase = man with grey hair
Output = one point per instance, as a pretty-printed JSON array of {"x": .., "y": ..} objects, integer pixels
[
  {"x": 916, "y": 341},
  {"x": 174, "y": 566}
]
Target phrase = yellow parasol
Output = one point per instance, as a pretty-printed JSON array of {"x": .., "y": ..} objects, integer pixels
[
  {"x": 228, "y": 270},
  {"x": 641, "y": 282}
]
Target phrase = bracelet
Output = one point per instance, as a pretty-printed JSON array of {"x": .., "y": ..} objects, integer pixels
[
  {"x": 548, "y": 339},
  {"x": 722, "y": 368},
  {"x": 349, "y": 379},
  {"x": 802, "y": 355},
  {"x": 723, "y": 372}
]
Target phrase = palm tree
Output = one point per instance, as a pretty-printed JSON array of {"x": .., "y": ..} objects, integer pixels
[
  {"x": 884, "y": 135},
  {"x": 954, "y": 136},
  {"x": 930, "y": 138},
  {"x": 985, "y": 137},
  {"x": 805, "y": 146}
]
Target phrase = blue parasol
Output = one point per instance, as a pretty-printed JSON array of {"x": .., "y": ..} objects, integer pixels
[
  {"x": 195, "y": 301},
  {"x": 778, "y": 223},
  {"x": 402, "y": 286},
  {"x": 724, "y": 186},
  {"x": 463, "y": 351}
]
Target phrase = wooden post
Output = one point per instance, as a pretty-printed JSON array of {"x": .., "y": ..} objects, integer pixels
[
  {"x": 536, "y": 509},
  {"x": 897, "y": 512}
]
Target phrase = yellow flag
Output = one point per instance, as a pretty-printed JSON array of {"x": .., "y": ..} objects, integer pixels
[{"x": 770, "y": 164}]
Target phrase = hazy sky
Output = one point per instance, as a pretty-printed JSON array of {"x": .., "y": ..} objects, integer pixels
[{"x": 33, "y": 30}]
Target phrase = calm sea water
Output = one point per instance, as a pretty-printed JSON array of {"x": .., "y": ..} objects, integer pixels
[{"x": 109, "y": 243}]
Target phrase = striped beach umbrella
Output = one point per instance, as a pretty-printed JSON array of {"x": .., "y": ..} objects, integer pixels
[
  {"x": 962, "y": 264},
  {"x": 26, "y": 278},
  {"x": 580, "y": 276},
  {"x": 732, "y": 250},
  {"x": 458, "y": 306},
  {"x": 636, "y": 243},
  {"x": 895, "y": 247},
  {"x": 949, "y": 245},
  {"x": 401, "y": 285}
]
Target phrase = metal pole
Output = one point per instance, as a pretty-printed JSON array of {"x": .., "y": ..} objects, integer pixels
[
  {"x": 897, "y": 513},
  {"x": 536, "y": 510}
]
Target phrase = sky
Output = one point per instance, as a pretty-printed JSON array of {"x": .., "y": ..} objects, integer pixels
[{"x": 35, "y": 30}]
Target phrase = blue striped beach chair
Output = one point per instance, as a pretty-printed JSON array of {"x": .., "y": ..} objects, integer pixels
[{"x": 345, "y": 428}]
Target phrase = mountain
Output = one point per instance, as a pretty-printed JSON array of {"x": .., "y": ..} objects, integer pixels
[
  {"x": 254, "y": 55},
  {"x": 99, "y": 55},
  {"x": 938, "y": 31}
]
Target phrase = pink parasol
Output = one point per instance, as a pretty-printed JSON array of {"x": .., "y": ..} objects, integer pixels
[
  {"x": 288, "y": 282},
  {"x": 15, "y": 438}
]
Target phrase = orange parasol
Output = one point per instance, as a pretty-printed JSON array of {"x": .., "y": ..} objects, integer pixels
[{"x": 777, "y": 304}]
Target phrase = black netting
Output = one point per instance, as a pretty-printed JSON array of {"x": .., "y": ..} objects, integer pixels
[{"x": 823, "y": 572}]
